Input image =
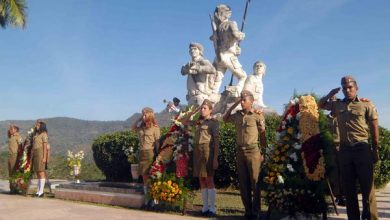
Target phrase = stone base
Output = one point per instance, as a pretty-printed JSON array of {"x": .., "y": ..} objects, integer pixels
[{"x": 118, "y": 194}]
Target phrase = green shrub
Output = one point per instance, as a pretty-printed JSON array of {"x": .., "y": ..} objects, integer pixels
[
  {"x": 109, "y": 155},
  {"x": 382, "y": 169}
]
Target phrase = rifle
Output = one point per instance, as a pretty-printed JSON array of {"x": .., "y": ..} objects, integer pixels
[{"x": 242, "y": 29}]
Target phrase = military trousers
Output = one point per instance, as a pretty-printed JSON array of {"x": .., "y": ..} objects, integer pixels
[
  {"x": 356, "y": 163},
  {"x": 335, "y": 174},
  {"x": 248, "y": 167}
]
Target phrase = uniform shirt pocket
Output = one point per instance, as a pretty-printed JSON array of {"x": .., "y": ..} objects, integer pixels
[{"x": 204, "y": 134}]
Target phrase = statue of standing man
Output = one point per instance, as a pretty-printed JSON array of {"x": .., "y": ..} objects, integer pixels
[
  {"x": 254, "y": 83},
  {"x": 199, "y": 70},
  {"x": 226, "y": 36}
]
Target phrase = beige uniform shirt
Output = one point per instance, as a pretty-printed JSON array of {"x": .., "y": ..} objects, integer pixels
[
  {"x": 39, "y": 140},
  {"x": 248, "y": 128},
  {"x": 353, "y": 119},
  {"x": 206, "y": 132},
  {"x": 148, "y": 137},
  {"x": 14, "y": 142}
]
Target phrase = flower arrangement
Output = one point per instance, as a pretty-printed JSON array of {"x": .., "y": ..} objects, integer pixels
[
  {"x": 21, "y": 178},
  {"x": 169, "y": 190},
  {"x": 166, "y": 186},
  {"x": 75, "y": 159},
  {"x": 131, "y": 153},
  {"x": 294, "y": 171}
]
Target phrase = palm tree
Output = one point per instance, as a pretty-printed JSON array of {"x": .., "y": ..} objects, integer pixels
[{"x": 13, "y": 12}]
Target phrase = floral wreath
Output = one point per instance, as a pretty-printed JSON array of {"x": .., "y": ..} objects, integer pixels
[{"x": 297, "y": 154}]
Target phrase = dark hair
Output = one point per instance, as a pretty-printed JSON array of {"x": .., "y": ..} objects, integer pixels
[{"x": 42, "y": 127}]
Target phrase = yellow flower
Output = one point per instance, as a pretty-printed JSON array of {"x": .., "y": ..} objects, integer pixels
[{"x": 169, "y": 182}]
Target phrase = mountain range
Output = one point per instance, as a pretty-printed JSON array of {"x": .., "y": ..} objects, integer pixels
[{"x": 75, "y": 134}]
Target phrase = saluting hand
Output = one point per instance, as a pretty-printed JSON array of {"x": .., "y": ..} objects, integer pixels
[{"x": 333, "y": 92}]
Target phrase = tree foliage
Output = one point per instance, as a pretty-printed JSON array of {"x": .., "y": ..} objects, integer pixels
[{"x": 13, "y": 12}]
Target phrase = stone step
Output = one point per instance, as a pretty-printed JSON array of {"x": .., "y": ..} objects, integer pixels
[
  {"x": 127, "y": 188},
  {"x": 133, "y": 200}
]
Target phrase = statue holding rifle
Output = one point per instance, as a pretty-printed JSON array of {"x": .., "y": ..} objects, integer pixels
[{"x": 226, "y": 37}]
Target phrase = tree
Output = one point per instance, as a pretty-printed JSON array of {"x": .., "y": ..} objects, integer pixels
[{"x": 13, "y": 12}]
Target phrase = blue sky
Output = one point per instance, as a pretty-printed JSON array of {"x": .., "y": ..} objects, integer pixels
[{"x": 105, "y": 60}]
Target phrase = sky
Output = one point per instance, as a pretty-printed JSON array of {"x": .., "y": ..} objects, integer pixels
[{"x": 105, "y": 60}]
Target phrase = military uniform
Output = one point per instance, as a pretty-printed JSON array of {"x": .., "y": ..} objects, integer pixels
[
  {"x": 147, "y": 138},
  {"x": 14, "y": 144},
  {"x": 37, "y": 152},
  {"x": 206, "y": 135},
  {"x": 356, "y": 160},
  {"x": 335, "y": 174},
  {"x": 248, "y": 127}
]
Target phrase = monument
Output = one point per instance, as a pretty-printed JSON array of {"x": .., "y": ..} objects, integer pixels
[{"x": 205, "y": 79}]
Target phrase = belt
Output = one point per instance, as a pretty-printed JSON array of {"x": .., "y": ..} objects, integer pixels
[
  {"x": 354, "y": 144},
  {"x": 248, "y": 146}
]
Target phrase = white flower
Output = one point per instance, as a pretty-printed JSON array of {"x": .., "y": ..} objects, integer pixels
[
  {"x": 299, "y": 136},
  {"x": 298, "y": 116},
  {"x": 294, "y": 156},
  {"x": 297, "y": 146},
  {"x": 289, "y": 116},
  {"x": 280, "y": 179},
  {"x": 290, "y": 168}
]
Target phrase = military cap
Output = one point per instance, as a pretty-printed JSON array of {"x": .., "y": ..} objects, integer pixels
[
  {"x": 147, "y": 109},
  {"x": 197, "y": 45},
  {"x": 208, "y": 103},
  {"x": 347, "y": 79},
  {"x": 176, "y": 100},
  {"x": 246, "y": 93}
]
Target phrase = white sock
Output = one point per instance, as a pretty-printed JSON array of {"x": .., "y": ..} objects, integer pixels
[
  {"x": 212, "y": 193},
  {"x": 38, "y": 186},
  {"x": 42, "y": 186},
  {"x": 205, "y": 200}
]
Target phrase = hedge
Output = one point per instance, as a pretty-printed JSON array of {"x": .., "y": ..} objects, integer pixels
[{"x": 111, "y": 160}]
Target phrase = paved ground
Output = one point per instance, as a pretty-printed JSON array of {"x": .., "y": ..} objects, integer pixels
[{"x": 20, "y": 207}]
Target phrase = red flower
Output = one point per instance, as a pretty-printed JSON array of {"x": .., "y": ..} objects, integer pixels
[{"x": 182, "y": 165}]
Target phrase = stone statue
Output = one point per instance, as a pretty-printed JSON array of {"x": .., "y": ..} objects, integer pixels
[
  {"x": 226, "y": 36},
  {"x": 198, "y": 71},
  {"x": 254, "y": 83}
]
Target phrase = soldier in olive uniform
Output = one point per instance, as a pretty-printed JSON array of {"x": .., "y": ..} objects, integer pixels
[
  {"x": 14, "y": 143},
  {"x": 250, "y": 127},
  {"x": 206, "y": 148},
  {"x": 356, "y": 119},
  {"x": 39, "y": 155},
  {"x": 335, "y": 174},
  {"x": 148, "y": 134}
]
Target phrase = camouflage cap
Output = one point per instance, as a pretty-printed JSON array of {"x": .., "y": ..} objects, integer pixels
[
  {"x": 208, "y": 103},
  {"x": 246, "y": 93},
  {"x": 347, "y": 79},
  {"x": 197, "y": 45}
]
